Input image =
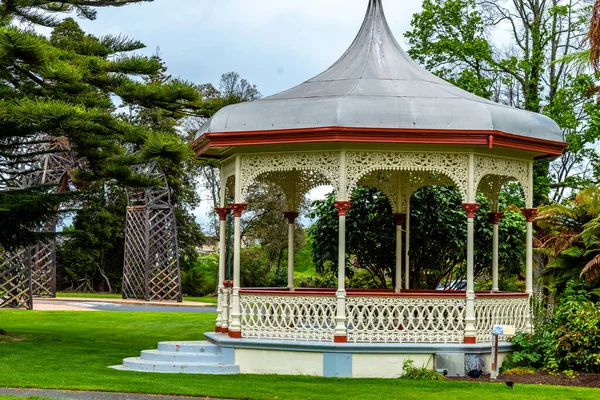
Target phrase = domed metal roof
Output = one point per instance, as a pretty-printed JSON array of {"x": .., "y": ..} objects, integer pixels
[{"x": 376, "y": 85}]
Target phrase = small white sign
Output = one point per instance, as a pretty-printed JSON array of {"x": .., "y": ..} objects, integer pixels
[{"x": 503, "y": 330}]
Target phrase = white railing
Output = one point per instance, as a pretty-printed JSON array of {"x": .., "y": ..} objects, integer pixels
[
  {"x": 490, "y": 311},
  {"x": 377, "y": 317},
  {"x": 405, "y": 319},
  {"x": 290, "y": 317}
]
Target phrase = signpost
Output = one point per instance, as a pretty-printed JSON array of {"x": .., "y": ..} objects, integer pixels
[{"x": 497, "y": 330}]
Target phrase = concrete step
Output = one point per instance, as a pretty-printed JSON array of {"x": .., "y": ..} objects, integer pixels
[
  {"x": 137, "y": 364},
  {"x": 189, "y": 347},
  {"x": 170, "y": 356}
]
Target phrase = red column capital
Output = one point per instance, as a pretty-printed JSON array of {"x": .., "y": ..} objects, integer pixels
[
  {"x": 222, "y": 212},
  {"x": 291, "y": 216},
  {"x": 470, "y": 209},
  {"x": 342, "y": 207},
  {"x": 399, "y": 219},
  {"x": 238, "y": 208},
  {"x": 495, "y": 217},
  {"x": 529, "y": 213}
]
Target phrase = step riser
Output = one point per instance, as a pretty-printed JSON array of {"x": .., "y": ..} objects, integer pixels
[
  {"x": 146, "y": 366},
  {"x": 183, "y": 357},
  {"x": 188, "y": 348}
]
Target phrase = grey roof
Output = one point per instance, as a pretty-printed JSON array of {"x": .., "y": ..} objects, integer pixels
[{"x": 375, "y": 84}]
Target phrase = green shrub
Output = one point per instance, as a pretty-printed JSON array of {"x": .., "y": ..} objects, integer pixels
[
  {"x": 569, "y": 341},
  {"x": 409, "y": 371}
]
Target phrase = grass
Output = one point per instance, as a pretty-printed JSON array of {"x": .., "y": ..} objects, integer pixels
[
  {"x": 204, "y": 299},
  {"x": 72, "y": 350}
]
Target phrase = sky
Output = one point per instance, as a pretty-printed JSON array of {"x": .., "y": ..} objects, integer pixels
[{"x": 274, "y": 44}]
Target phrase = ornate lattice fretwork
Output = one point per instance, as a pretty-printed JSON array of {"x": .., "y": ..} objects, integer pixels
[
  {"x": 151, "y": 267},
  {"x": 491, "y": 173},
  {"x": 500, "y": 311},
  {"x": 294, "y": 184},
  {"x": 43, "y": 269},
  {"x": 405, "y": 319},
  {"x": 288, "y": 317},
  {"x": 399, "y": 186},
  {"x": 15, "y": 280},
  {"x": 255, "y": 165},
  {"x": 454, "y": 166}
]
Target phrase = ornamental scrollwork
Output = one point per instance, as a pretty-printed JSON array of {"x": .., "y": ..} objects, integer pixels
[
  {"x": 505, "y": 168},
  {"x": 255, "y": 165},
  {"x": 499, "y": 311},
  {"x": 454, "y": 166}
]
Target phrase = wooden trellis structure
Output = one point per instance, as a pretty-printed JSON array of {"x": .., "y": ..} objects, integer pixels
[
  {"x": 31, "y": 272},
  {"x": 151, "y": 266},
  {"x": 15, "y": 280}
]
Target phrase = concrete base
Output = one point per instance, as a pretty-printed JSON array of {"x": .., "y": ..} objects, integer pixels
[
  {"x": 351, "y": 360},
  {"x": 224, "y": 355}
]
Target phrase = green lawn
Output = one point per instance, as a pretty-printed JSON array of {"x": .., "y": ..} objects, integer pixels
[
  {"x": 205, "y": 299},
  {"x": 72, "y": 350}
]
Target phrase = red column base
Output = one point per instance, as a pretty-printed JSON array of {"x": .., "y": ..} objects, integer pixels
[
  {"x": 470, "y": 340},
  {"x": 224, "y": 331},
  {"x": 340, "y": 339},
  {"x": 218, "y": 329},
  {"x": 235, "y": 335}
]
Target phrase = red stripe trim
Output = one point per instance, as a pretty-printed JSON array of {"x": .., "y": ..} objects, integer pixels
[{"x": 376, "y": 135}]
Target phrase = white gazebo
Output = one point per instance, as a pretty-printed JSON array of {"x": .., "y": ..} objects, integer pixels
[{"x": 374, "y": 118}]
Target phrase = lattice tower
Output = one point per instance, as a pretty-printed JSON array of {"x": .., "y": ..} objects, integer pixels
[
  {"x": 32, "y": 272},
  {"x": 151, "y": 265}
]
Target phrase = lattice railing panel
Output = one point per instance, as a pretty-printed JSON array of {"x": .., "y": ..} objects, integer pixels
[
  {"x": 15, "y": 280},
  {"x": 500, "y": 311},
  {"x": 134, "y": 268},
  {"x": 43, "y": 269},
  {"x": 288, "y": 317},
  {"x": 163, "y": 269},
  {"x": 405, "y": 319}
]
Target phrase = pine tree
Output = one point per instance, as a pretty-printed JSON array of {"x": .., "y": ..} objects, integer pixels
[{"x": 61, "y": 87}]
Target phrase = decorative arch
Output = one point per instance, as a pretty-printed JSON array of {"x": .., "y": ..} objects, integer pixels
[
  {"x": 294, "y": 184},
  {"x": 452, "y": 166},
  {"x": 491, "y": 173},
  {"x": 327, "y": 164}
]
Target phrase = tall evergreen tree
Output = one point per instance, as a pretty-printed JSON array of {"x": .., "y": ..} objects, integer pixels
[{"x": 62, "y": 86}]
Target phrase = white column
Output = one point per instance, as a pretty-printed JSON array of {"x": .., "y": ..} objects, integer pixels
[
  {"x": 235, "y": 329},
  {"x": 340, "y": 333},
  {"x": 470, "y": 332},
  {"x": 406, "y": 249},
  {"x": 398, "y": 220},
  {"x": 291, "y": 217},
  {"x": 530, "y": 214},
  {"x": 494, "y": 218},
  {"x": 222, "y": 262}
]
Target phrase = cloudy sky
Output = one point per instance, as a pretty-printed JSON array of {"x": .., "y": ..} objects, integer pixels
[{"x": 274, "y": 44}]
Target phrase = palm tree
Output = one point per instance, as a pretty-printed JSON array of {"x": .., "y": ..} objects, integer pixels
[{"x": 569, "y": 236}]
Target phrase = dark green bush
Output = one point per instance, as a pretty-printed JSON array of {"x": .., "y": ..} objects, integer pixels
[{"x": 570, "y": 341}]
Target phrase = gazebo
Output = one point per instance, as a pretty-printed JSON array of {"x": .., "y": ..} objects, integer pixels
[{"x": 374, "y": 118}]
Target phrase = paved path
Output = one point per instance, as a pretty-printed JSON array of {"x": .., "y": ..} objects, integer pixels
[
  {"x": 81, "y": 395},
  {"x": 87, "y": 304}
]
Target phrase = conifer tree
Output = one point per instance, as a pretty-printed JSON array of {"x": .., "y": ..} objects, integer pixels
[{"x": 61, "y": 87}]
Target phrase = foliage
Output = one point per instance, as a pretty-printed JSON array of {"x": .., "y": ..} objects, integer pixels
[
  {"x": 568, "y": 237},
  {"x": 459, "y": 40},
  {"x": 61, "y": 87},
  {"x": 436, "y": 255},
  {"x": 570, "y": 342},
  {"x": 370, "y": 235},
  {"x": 200, "y": 279},
  {"x": 409, "y": 371},
  {"x": 91, "y": 255}
]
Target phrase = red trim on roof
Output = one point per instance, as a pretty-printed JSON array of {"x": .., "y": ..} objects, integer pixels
[{"x": 377, "y": 135}]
